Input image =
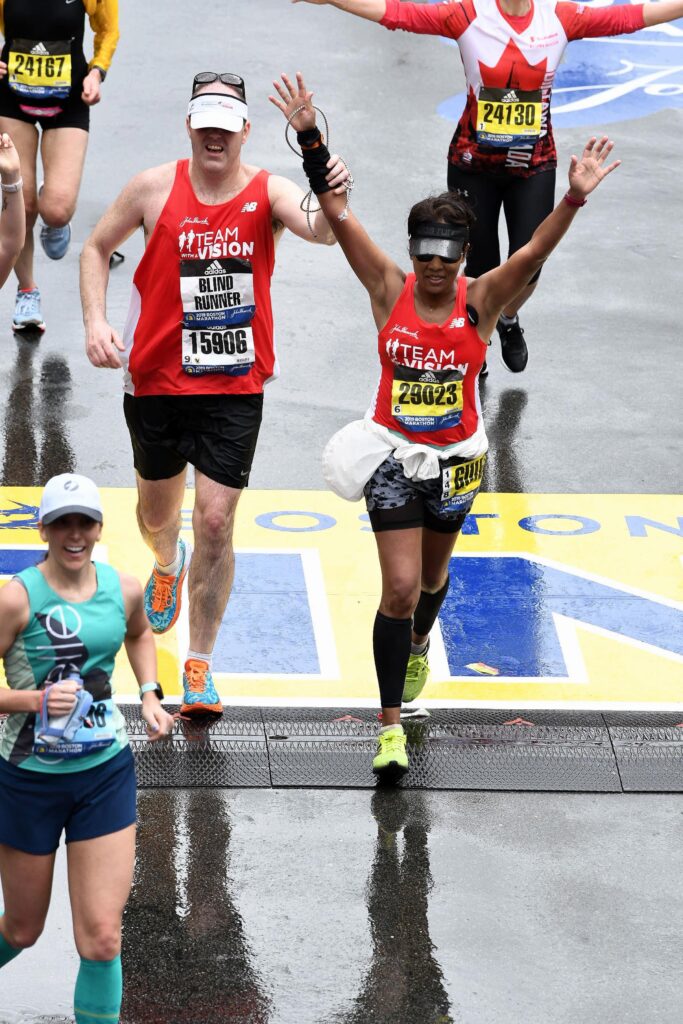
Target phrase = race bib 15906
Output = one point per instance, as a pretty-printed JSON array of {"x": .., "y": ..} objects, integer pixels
[{"x": 218, "y": 308}]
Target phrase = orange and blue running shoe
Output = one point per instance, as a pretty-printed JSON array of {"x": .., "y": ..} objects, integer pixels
[
  {"x": 162, "y": 594},
  {"x": 199, "y": 693}
]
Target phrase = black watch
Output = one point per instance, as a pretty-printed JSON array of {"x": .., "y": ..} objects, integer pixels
[
  {"x": 103, "y": 73},
  {"x": 152, "y": 688}
]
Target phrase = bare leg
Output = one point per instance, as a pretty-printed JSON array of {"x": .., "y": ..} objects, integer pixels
[
  {"x": 212, "y": 568},
  {"x": 158, "y": 512},
  {"x": 100, "y": 877},
  {"x": 63, "y": 152},
  {"x": 26, "y": 889},
  {"x": 25, "y": 138}
]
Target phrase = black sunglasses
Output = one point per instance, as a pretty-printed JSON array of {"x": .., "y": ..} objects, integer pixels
[
  {"x": 227, "y": 78},
  {"x": 427, "y": 257}
]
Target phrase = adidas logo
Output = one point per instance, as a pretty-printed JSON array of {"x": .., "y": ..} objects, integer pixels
[
  {"x": 428, "y": 378},
  {"x": 510, "y": 97},
  {"x": 215, "y": 268},
  {"x": 40, "y": 50}
]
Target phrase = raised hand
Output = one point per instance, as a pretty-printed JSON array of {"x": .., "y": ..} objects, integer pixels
[
  {"x": 586, "y": 174},
  {"x": 292, "y": 99}
]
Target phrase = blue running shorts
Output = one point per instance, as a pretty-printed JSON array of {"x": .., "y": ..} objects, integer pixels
[{"x": 36, "y": 807}]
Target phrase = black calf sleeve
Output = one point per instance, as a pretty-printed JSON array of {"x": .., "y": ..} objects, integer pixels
[
  {"x": 428, "y": 609},
  {"x": 391, "y": 640}
]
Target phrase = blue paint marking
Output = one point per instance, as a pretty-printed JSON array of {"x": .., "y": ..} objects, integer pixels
[
  {"x": 533, "y": 525},
  {"x": 499, "y": 610},
  {"x": 20, "y": 517},
  {"x": 268, "y": 521},
  {"x": 638, "y": 526},
  {"x": 267, "y": 627},
  {"x": 470, "y": 528},
  {"x": 14, "y": 559},
  {"x": 605, "y": 80}
]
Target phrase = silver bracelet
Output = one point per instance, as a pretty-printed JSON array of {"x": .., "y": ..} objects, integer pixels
[{"x": 14, "y": 186}]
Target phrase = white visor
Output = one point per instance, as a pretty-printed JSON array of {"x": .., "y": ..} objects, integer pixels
[{"x": 218, "y": 110}]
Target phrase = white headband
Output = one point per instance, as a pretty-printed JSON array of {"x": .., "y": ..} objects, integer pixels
[{"x": 218, "y": 110}]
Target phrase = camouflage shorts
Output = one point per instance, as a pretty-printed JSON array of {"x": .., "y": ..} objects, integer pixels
[{"x": 396, "y": 503}]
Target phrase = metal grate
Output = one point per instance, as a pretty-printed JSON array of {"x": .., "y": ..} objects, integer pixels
[
  {"x": 227, "y": 751},
  {"x": 494, "y": 749}
]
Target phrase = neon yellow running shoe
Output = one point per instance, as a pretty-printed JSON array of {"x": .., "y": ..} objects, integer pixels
[
  {"x": 391, "y": 760},
  {"x": 417, "y": 675}
]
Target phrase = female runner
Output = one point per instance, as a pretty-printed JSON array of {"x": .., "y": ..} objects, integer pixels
[
  {"x": 503, "y": 151},
  {"x": 61, "y": 625},
  {"x": 46, "y": 81},
  {"x": 419, "y": 455}
]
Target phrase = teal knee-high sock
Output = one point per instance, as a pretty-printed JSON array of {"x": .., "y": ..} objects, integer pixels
[
  {"x": 7, "y": 952},
  {"x": 99, "y": 990}
]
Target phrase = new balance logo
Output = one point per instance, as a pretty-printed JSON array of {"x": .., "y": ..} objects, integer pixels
[
  {"x": 458, "y": 321},
  {"x": 510, "y": 97},
  {"x": 249, "y": 207},
  {"x": 40, "y": 50},
  {"x": 215, "y": 268}
]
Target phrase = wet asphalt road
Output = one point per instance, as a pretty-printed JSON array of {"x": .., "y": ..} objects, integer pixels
[{"x": 299, "y": 907}]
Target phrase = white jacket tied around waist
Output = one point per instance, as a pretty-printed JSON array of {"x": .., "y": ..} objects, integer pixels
[{"x": 353, "y": 454}]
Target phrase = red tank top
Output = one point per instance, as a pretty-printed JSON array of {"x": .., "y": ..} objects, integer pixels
[
  {"x": 200, "y": 319},
  {"x": 428, "y": 384}
]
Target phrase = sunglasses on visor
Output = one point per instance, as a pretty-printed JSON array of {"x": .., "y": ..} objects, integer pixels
[
  {"x": 427, "y": 257},
  {"x": 227, "y": 78}
]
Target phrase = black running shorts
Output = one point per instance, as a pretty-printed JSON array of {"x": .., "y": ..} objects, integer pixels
[
  {"x": 215, "y": 433},
  {"x": 75, "y": 113}
]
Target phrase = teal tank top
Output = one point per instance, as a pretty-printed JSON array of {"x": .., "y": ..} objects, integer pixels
[{"x": 81, "y": 635}]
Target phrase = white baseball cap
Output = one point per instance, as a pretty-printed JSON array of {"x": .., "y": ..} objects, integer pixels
[
  {"x": 67, "y": 493},
  {"x": 218, "y": 110}
]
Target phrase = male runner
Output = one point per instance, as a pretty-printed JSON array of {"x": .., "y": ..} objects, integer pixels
[{"x": 197, "y": 349}]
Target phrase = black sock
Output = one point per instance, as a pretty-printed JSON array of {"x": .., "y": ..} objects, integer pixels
[
  {"x": 428, "y": 608},
  {"x": 391, "y": 639}
]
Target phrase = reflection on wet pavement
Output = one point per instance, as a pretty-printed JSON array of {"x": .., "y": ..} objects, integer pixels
[
  {"x": 185, "y": 954},
  {"x": 35, "y": 439},
  {"x": 404, "y": 981},
  {"x": 503, "y": 415}
]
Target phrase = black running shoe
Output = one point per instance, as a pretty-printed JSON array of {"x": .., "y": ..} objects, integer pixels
[{"x": 513, "y": 346}]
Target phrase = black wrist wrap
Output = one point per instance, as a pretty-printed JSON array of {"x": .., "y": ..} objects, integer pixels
[{"x": 315, "y": 160}]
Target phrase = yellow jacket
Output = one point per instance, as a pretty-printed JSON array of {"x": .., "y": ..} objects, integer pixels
[{"x": 104, "y": 21}]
